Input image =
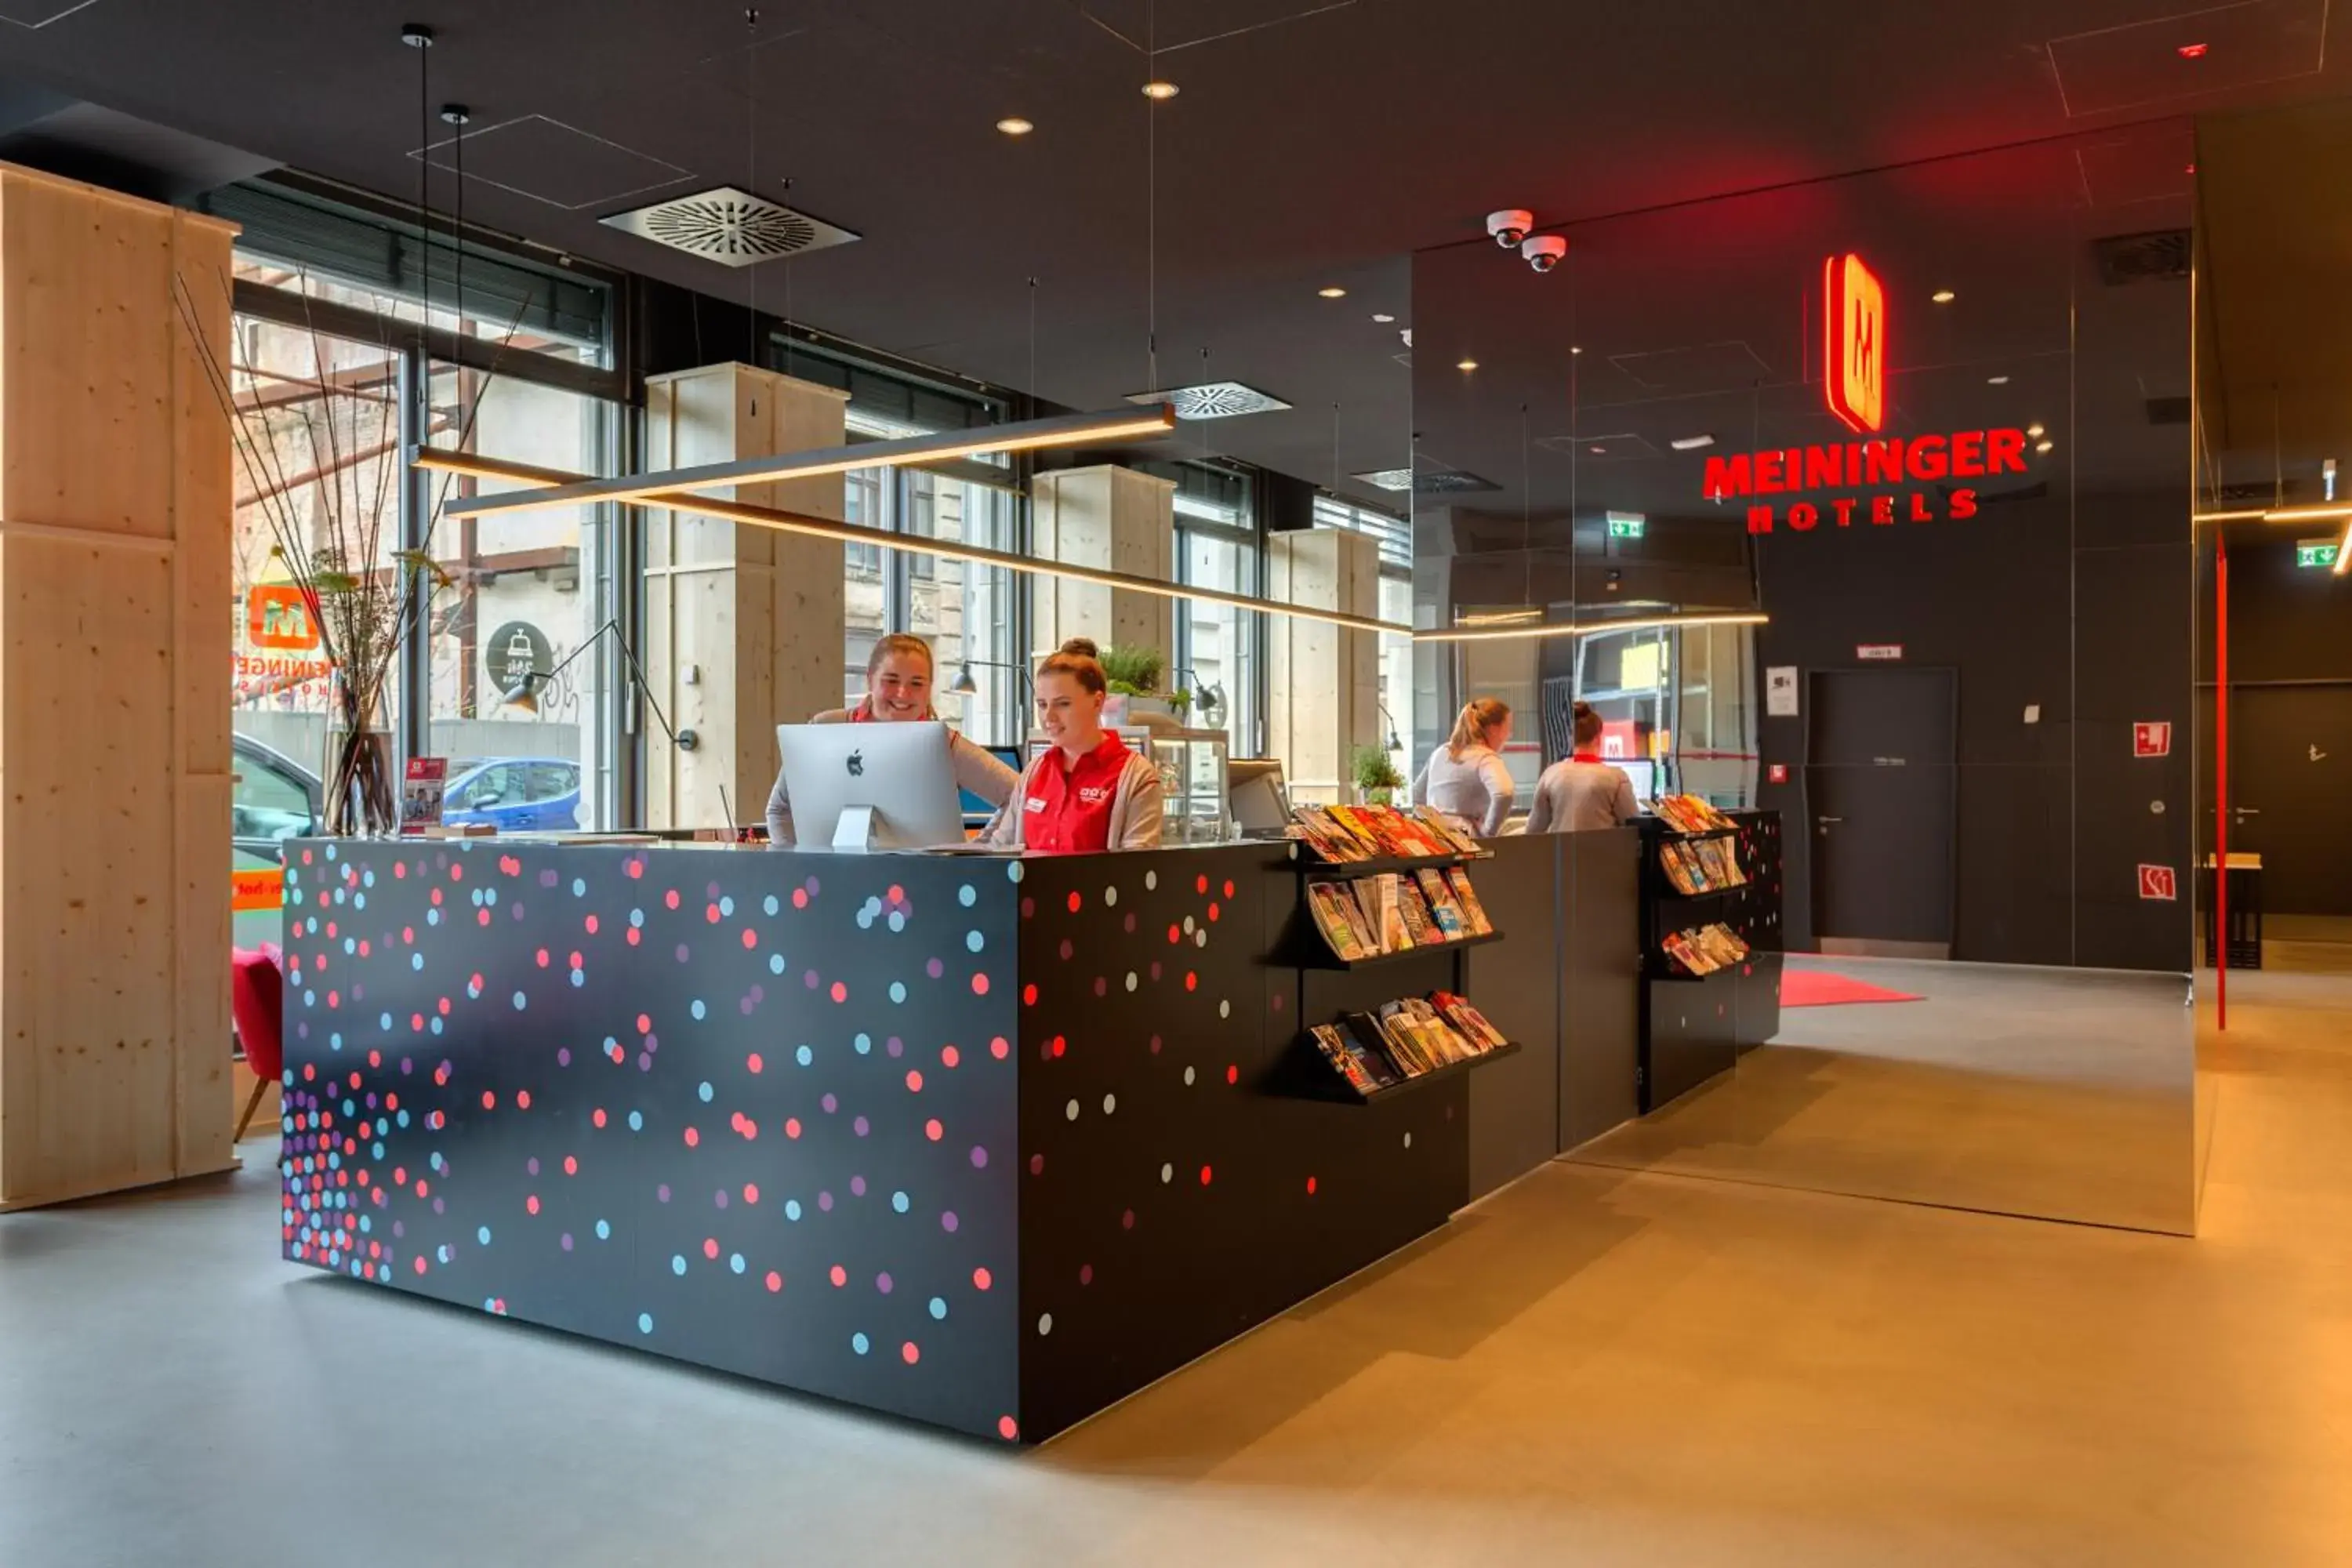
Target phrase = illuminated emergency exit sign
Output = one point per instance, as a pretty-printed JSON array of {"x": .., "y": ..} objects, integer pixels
[
  {"x": 1627, "y": 524},
  {"x": 2319, "y": 553}
]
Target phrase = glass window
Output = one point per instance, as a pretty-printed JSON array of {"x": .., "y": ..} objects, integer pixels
[
  {"x": 526, "y": 591},
  {"x": 1217, "y": 644},
  {"x": 270, "y": 800}
]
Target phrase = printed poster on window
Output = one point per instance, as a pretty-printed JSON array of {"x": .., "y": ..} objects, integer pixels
[{"x": 421, "y": 788}]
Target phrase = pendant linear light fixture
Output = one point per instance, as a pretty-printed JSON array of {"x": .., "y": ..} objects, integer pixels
[
  {"x": 555, "y": 481},
  {"x": 1589, "y": 629},
  {"x": 1028, "y": 435}
]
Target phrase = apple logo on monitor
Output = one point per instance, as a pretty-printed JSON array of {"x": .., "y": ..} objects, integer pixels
[{"x": 858, "y": 764}]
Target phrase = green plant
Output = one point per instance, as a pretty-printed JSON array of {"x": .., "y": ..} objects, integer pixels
[
  {"x": 1180, "y": 701},
  {"x": 1374, "y": 769},
  {"x": 1134, "y": 671}
]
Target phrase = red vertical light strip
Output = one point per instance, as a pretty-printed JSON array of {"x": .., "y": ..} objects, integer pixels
[{"x": 2221, "y": 778}]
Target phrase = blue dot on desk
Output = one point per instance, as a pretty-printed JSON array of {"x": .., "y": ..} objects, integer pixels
[
  {"x": 973, "y": 940},
  {"x": 898, "y": 991},
  {"x": 678, "y": 1263},
  {"x": 897, "y": 919},
  {"x": 579, "y": 886},
  {"x": 520, "y": 1001},
  {"x": 939, "y": 1309},
  {"x": 704, "y": 1090},
  {"x": 770, "y": 905},
  {"x": 636, "y": 1122},
  {"x": 966, "y": 896},
  {"x": 603, "y": 1230},
  {"x": 859, "y": 1344},
  {"x": 898, "y": 1202},
  {"x": 483, "y": 1235},
  {"x": 805, "y": 1056},
  {"x": 792, "y": 1209},
  {"x": 863, "y": 1043},
  {"x": 725, "y": 906},
  {"x": 637, "y": 917},
  {"x": 699, "y": 1009},
  {"x": 645, "y": 1322},
  {"x": 735, "y": 1262},
  {"x": 775, "y": 961},
  {"x": 416, "y": 960}
]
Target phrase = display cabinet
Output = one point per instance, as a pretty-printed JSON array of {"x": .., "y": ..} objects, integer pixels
[{"x": 1191, "y": 764}]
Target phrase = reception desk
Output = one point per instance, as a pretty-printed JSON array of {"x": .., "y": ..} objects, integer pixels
[{"x": 987, "y": 1143}]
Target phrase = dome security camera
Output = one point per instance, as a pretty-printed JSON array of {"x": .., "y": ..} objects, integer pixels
[
  {"x": 1510, "y": 226},
  {"x": 1543, "y": 251}
]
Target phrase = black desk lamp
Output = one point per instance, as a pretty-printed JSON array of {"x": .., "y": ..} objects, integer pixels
[
  {"x": 1394, "y": 743},
  {"x": 523, "y": 695},
  {"x": 1211, "y": 696},
  {"x": 963, "y": 685}
]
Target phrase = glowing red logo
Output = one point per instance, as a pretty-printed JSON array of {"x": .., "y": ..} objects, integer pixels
[{"x": 1853, "y": 307}]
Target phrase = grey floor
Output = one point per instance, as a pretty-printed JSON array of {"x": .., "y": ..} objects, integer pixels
[
  {"x": 1593, "y": 1367},
  {"x": 2055, "y": 1093}
]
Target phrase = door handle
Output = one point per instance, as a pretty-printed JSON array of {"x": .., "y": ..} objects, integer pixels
[
  {"x": 2246, "y": 811},
  {"x": 1826, "y": 820}
]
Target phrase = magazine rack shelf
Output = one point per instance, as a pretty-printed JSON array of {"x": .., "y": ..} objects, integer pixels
[
  {"x": 1328, "y": 870},
  {"x": 1317, "y": 1081},
  {"x": 1324, "y": 958}
]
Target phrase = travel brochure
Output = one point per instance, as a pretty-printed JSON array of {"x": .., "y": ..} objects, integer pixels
[
  {"x": 1405, "y": 1039},
  {"x": 1701, "y": 865},
  {"x": 1707, "y": 949},
  {"x": 1344, "y": 834},
  {"x": 1396, "y": 911},
  {"x": 1688, "y": 813}
]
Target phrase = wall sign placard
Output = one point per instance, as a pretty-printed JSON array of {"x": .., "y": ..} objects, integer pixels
[
  {"x": 1879, "y": 652},
  {"x": 1780, "y": 691},
  {"x": 1777, "y": 773},
  {"x": 2157, "y": 882},
  {"x": 2317, "y": 552},
  {"x": 515, "y": 649},
  {"x": 1854, "y": 358},
  {"x": 2152, "y": 739}
]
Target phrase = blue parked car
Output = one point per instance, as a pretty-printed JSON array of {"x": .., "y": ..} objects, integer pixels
[{"x": 515, "y": 795}]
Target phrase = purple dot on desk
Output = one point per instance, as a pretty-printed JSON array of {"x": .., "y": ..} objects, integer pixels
[
  {"x": 894, "y": 1046},
  {"x": 831, "y": 1104},
  {"x": 302, "y": 1031},
  {"x": 532, "y": 1164},
  {"x": 857, "y": 1186},
  {"x": 407, "y": 1066},
  {"x": 948, "y": 1220},
  {"x": 1131, "y": 922},
  {"x": 824, "y": 1202},
  {"x": 810, "y": 980},
  {"x": 547, "y": 878},
  {"x": 712, "y": 892},
  {"x": 979, "y": 1158},
  {"x": 567, "y": 1241},
  {"x": 515, "y": 908},
  {"x": 1102, "y": 984},
  {"x": 811, "y": 886},
  {"x": 645, "y": 1061},
  {"x": 745, "y": 1006},
  {"x": 681, "y": 953},
  {"x": 721, "y": 1198},
  {"x": 858, "y": 1127},
  {"x": 439, "y": 1206},
  {"x": 1066, "y": 947},
  {"x": 934, "y": 968},
  {"x": 759, "y": 994},
  {"x": 662, "y": 1192},
  {"x": 563, "y": 1056},
  {"x": 398, "y": 1229},
  {"x": 882, "y": 1283}
]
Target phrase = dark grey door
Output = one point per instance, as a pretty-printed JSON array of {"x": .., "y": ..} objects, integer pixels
[
  {"x": 2290, "y": 771},
  {"x": 1881, "y": 784}
]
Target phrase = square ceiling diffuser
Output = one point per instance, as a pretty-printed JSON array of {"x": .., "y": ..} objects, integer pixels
[
  {"x": 731, "y": 227},
  {"x": 1213, "y": 400}
]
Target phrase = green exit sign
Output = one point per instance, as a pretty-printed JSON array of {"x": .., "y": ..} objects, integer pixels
[
  {"x": 2317, "y": 552},
  {"x": 1627, "y": 524}
]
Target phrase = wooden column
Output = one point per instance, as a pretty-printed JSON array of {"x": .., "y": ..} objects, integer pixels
[
  {"x": 116, "y": 609},
  {"x": 1108, "y": 517},
  {"x": 1323, "y": 682},
  {"x": 743, "y": 624}
]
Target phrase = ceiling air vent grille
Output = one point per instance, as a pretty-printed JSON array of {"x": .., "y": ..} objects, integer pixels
[
  {"x": 2161, "y": 256},
  {"x": 731, "y": 227},
  {"x": 1213, "y": 400}
]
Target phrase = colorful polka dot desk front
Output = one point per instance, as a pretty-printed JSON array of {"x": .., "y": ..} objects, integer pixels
[{"x": 982, "y": 1142}]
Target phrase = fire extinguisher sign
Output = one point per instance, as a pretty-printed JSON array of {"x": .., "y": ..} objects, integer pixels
[{"x": 2157, "y": 882}]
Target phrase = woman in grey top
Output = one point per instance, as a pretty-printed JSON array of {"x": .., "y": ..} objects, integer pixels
[
  {"x": 1467, "y": 777},
  {"x": 1580, "y": 792},
  {"x": 898, "y": 690}
]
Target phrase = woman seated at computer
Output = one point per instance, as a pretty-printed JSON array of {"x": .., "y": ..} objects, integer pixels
[
  {"x": 1467, "y": 777},
  {"x": 1089, "y": 791},
  {"x": 898, "y": 690}
]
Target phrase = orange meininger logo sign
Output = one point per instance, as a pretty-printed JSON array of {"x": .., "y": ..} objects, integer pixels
[
  {"x": 1854, "y": 309},
  {"x": 277, "y": 616},
  {"x": 261, "y": 888}
]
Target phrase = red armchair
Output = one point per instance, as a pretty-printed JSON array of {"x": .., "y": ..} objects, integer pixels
[{"x": 257, "y": 1000}]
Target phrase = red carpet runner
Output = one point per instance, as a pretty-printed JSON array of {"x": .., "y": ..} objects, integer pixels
[{"x": 1819, "y": 988}]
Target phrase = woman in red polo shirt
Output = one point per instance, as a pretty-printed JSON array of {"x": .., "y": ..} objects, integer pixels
[{"x": 1089, "y": 792}]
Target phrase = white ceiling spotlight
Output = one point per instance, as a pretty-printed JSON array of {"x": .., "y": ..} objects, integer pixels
[
  {"x": 1692, "y": 442},
  {"x": 1510, "y": 226},
  {"x": 1543, "y": 251}
]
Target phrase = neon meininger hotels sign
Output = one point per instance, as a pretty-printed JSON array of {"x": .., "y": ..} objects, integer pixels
[{"x": 1854, "y": 350}]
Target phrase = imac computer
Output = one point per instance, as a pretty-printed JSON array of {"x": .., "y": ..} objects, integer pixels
[
  {"x": 1261, "y": 804},
  {"x": 871, "y": 787}
]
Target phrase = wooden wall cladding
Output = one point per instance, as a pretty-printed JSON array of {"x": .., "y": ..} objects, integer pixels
[{"x": 116, "y": 606}]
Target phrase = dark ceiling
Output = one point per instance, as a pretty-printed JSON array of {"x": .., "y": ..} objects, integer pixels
[{"x": 1314, "y": 143}]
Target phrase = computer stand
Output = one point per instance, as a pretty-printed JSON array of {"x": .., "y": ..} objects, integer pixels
[{"x": 854, "y": 834}]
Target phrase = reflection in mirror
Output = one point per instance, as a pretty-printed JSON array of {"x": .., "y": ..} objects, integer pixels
[{"x": 1911, "y": 447}]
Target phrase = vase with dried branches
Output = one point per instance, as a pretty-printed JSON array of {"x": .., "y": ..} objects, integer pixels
[{"x": 336, "y": 539}]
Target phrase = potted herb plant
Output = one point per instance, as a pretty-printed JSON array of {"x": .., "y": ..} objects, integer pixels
[{"x": 1376, "y": 776}]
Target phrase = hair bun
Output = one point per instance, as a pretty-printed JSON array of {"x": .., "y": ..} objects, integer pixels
[{"x": 1082, "y": 648}]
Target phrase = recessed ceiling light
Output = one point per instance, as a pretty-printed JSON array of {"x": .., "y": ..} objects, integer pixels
[
  {"x": 1332, "y": 292},
  {"x": 1467, "y": 364},
  {"x": 1382, "y": 317},
  {"x": 1943, "y": 296},
  {"x": 1692, "y": 442},
  {"x": 1013, "y": 125},
  {"x": 1995, "y": 381},
  {"x": 2046, "y": 446},
  {"x": 1574, "y": 349},
  {"x": 1160, "y": 91},
  {"x": 1598, "y": 450},
  {"x": 2193, "y": 51},
  {"x": 2036, "y": 431}
]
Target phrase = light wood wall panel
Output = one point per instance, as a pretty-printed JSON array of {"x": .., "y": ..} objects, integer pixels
[
  {"x": 1116, "y": 519},
  {"x": 1322, "y": 681},
  {"x": 115, "y": 606}
]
